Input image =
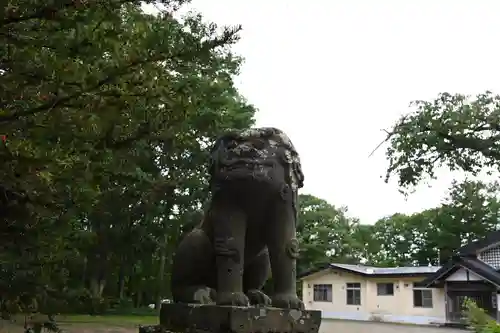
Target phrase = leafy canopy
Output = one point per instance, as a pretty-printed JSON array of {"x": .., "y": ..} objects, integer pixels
[
  {"x": 107, "y": 113},
  {"x": 454, "y": 130}
]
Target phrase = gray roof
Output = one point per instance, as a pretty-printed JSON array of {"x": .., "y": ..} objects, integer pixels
[{"x": 370, "y": 270}]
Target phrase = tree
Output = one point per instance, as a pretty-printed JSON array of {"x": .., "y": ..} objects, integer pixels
[
  {"x": 394, "y": 239},
  {"x": 460, "y": 133},
  {"x": 455, "y": 131},
  {"x": 363, "y": 244},
  {"x": 107, "y": 114},
  {"x": 66, "y": 104},
  {"x": 469, "y": 212},
  {"x": 324, "y": 232}
]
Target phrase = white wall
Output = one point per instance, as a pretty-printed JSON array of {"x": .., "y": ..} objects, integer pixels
[
  {"x": 396, "y": 308},
  {"x": 463, "y": 274}
]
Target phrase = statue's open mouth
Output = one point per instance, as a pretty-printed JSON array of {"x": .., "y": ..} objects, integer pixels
[
  {"x": 246, "y": 162},
  {"x": 249, "y": 168}
]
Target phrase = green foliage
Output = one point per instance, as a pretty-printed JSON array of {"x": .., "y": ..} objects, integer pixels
[
  {"x": 127, "y": 307},
  {"x": 108, "y": 113},
  {"x": 492, "y": 327},
  {"x": 327, "y": 233},
  {"x": 324, "y": 233},
  {"x": 455, "y": 131},
  {"x": 479, "y": 320},
  {"x": 469, "y": 212},
  {"x": 111, "y": 320}
]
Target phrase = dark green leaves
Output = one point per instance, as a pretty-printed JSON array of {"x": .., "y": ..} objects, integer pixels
[
  {"x": 325, "y": 233},
  {"x": 108, "y": 112},
  {"x": 455, "y": 131},
  {"x": 469, "y": 212}
]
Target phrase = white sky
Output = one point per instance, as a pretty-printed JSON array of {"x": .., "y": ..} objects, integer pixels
[{"x": 333, "y": 74}]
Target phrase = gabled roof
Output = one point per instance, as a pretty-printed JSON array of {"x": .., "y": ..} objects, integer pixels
[
  {"x": 471, "y": 263},
  {"x": 471, "y": 249},
  {"x": 371, "y": 271},
  {"x": 466, "y": 257}
]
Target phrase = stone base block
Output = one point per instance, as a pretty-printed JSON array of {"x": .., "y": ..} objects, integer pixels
[{"x": 229, "y": 319}]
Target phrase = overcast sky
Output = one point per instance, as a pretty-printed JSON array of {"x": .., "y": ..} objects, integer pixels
[{"x": 333, "y": 74}]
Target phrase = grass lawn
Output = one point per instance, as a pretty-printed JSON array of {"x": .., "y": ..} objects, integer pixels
[
  {"x": 109, "y": 320},
  {"x": 88, "y": 324}
]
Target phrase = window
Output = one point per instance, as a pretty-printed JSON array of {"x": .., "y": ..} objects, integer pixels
[
  {"x": 422, "y": 297},
  {"x": 353, "y": 293},
  {"x": 385, "y": 289},
  {"x": 322, "y": 292}
]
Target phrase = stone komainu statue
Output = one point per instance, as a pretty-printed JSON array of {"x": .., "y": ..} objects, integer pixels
[{"x": 248, "y": 229}]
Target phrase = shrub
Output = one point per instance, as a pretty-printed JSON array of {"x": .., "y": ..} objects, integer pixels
[
  {"x": 479, "y": 320},
  {"x": 491, "y": 327},
  {"x": 121, "y": 305}
]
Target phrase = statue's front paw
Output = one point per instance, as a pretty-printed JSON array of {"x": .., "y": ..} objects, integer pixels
[
  {"x": 257, "y": 297},
  {"x": 204, "y": 295},
  {"x": 287, "y": 301},
  {"x": 234, "y": 299}
]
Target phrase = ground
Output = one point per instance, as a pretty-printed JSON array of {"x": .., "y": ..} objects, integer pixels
[
  {"x": 90, "y": 324},
  {"x": 344, "y": 326},
  {"x": 130, "y": 324}
]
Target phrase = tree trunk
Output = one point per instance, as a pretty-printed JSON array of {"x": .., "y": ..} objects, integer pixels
[
  {"x": 139, "y": 297},
  {"x": 163, "y": 255},
  {"x": 84, "y": 273},
  {"x": 121, "y": 281},
  {"x": 121, "y": 288},
  {"x": 97, "y": 271},
  {"x": 97, "y": 286},
  {"x": 161, "y": 273}
]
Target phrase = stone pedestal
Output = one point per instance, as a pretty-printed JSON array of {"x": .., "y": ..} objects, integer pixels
[{"x": 228, "y": 319}]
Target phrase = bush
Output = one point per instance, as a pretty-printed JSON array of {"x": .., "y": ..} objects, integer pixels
[
  {"x": 145, "y": 311},
  {"x": 81, "y": 301},
  {"x": 126, "y": 307},
  {"x": 479, "y": 320},
  {"x": 121, "y": 305},
  {"x": 491, "y": 327}
]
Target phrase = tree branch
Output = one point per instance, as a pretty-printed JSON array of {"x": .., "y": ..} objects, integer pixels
[{"x": 472, "y": 144}]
